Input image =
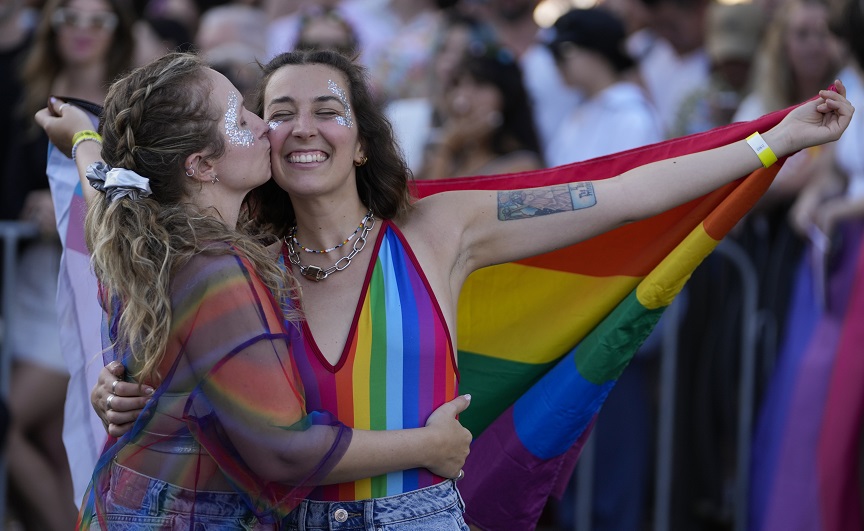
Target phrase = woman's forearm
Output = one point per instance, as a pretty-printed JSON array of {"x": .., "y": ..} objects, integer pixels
[
  {"x": 373, "y": 453},
  {"x": 87, "y": 153}
]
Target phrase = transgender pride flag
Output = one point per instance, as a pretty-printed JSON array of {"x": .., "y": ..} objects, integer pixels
[
  {"x": 80, "y": 319},
  {"x": 541, "y": 341}
]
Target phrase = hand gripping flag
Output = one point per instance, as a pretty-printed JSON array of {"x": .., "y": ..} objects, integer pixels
[{"x": 541, "y": 341}]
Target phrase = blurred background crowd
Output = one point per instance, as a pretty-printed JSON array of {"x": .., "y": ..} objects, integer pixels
[{"x": 478, "y": 87}]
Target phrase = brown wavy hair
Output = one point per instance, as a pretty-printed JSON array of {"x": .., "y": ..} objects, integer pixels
[
  {"x": 773, "y": 76},
  {"x": 154, "y": 118},
  {"x": 43, "y": 62},
  {"x": 382, "y": 183}
]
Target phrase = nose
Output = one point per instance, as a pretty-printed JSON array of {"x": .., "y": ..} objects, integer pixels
[{"x": 303, "y": 125}]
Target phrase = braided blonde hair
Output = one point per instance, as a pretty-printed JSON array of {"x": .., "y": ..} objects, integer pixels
[{"x": 154, "y": 118}]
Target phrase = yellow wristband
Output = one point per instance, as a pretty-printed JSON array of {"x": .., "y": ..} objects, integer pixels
[
  {"x": 83, "y": 136},
  {"x": 762, "y": 150},
  {"x": 89, "y": 134}
]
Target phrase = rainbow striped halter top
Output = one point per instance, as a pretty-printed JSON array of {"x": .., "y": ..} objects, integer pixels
[{"x": 397, "y": 367}]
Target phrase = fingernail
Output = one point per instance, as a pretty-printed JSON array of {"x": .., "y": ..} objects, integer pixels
[
  {"x": 148, "y": 391},
  {"x": 467, "y": 397},
  {"x": 53, "y": 100}
]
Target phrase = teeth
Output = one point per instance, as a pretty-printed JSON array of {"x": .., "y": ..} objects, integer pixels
[{"x": 307, "y": 157}]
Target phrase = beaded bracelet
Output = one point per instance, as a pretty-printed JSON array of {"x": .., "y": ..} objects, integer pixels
[
  {"x": 83, "y": 136},
  {"x": 762, "y": 150}
]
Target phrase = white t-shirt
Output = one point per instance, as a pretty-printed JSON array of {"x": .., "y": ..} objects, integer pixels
[
  {"x": 374, "y": 25},
  {"x": 617, "y": 119},
  {"x": 551, "y": 100},
  {"x": 669, "y": 78}
]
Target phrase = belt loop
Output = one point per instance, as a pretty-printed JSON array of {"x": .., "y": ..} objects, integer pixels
[
  {"x": 301, "y": 512},
  {"x": 458, "y": 496},
  {"x": 369, "y": 514},
  {"x": 154, "y": 496}
]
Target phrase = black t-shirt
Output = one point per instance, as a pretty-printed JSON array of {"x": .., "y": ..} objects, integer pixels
[{"x": 22, "y": 157}]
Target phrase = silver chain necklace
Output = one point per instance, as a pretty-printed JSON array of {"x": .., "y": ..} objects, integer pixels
[{"x": 317, "y": 274}]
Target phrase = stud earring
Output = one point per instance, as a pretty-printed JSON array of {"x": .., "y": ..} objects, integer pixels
[
  {"x": 214, "y": 180},
  {"x": 361, "y": 162}
]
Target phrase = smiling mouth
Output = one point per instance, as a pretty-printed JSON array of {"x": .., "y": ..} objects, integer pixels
[{"x": 302, "y": 158}]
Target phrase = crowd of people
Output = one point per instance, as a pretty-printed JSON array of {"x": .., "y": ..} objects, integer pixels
[{"x": 471, "y": 87}]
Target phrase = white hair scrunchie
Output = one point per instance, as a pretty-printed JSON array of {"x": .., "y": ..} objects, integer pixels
[{"x": 117, "y": 182}]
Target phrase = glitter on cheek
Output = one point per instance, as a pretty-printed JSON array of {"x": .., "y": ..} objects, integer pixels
[
  {"x": 236, "y": 135},
  {"x": 273, "y": 124},
  {"x": 347, "y": 120}
]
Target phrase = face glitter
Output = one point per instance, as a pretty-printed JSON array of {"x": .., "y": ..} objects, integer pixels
[
  {"x": 346, "y": 120},
  {"x": 273, "y": 124},
  {"x": 236, "y": 136}
]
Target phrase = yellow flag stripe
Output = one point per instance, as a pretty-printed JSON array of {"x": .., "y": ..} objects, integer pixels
[{"x": 550, "y": 322}]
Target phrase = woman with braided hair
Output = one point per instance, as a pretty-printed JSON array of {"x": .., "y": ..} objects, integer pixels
[{"x": 192, "y": 311}]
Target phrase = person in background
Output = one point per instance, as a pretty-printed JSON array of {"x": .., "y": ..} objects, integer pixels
[
  {"x": 373, "y": 22},
  {"x": 515, "y": 29},
  {"x": 16, "y": 31},
  {"x": 734, "y": 33},
  {"x": 231, "y": 40},
  {"x": 615, "y": 114},
  {"x": 806, "y": 458},
  {"x": 415, "y": 119},
  {"x": 487, "y": 125},
  {"x": 400, "y": 69},
  {"x": 156, "y": 36},
  {"x": 671, "y": 54},
  {"x": 326, "y": 29},
  {"x": 797, "y": 52},
  {"x": 78, "y": 48}
]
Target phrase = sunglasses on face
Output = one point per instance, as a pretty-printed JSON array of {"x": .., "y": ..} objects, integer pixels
[{"x": 65, "y": 17}]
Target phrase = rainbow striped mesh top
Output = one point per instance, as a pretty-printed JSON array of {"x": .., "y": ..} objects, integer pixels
[{"x": 397, "y": 367}]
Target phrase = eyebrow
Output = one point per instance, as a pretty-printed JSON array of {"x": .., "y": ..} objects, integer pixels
[{"x": 289, "y": 99}]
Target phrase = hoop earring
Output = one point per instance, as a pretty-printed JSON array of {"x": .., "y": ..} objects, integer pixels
[
  {"x": 190, "y": 172},
  {"x": 362, "y": 162}
]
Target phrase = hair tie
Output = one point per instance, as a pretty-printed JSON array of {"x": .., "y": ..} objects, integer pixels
[{"x": 117, "y": 182}]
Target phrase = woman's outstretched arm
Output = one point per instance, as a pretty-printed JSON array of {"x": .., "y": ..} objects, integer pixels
[{"x": 494, "y": 227}]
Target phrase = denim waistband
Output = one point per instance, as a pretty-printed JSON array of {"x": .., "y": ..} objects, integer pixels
[
  {"x": 154, "y": 497},
  {"x": 366, "y": 514}
]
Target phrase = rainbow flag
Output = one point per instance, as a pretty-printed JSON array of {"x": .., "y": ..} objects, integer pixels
[
  {"x": 806, "y": 443},
  {"x": 542, "y": 341},
  {"x": 838, "y": 453}
]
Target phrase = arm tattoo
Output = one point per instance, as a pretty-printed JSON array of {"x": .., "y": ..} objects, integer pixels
[{"x": 533, "y": 202}]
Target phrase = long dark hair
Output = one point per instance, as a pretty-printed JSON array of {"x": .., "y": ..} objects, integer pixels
[
  {"x": 497, "y": 67},
  {"x": 43, "y": 62},
  {"x": 382, "y": 183}
]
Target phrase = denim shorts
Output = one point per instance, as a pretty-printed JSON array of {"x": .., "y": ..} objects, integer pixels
[
  {"x": 435, "y": 508},
  {"x": 136, "y": 502}
]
